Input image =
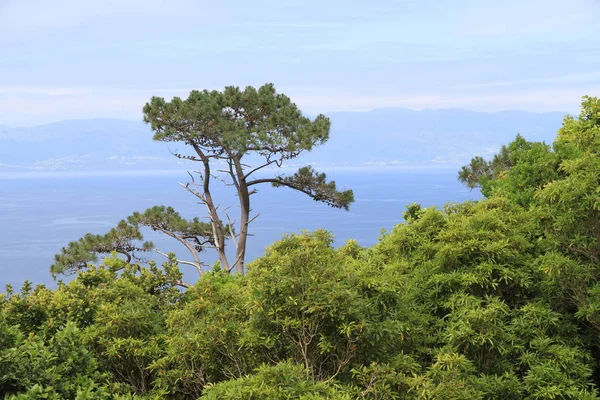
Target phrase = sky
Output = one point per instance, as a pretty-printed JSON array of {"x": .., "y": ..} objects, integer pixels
[{"x": 68, "y": 59}]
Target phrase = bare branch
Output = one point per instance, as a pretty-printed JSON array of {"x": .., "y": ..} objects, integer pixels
[
  {"x": 184, "y": 157},
  {"x": 191, "y": 176},
  {"x": 230, "y": 225},
  {"x": 223, "y": 180},
  {"x": 183, "y": 262},
  {"x": 236, "y": 183},
  {"x": 269, "y": 162},
  {"x": 237, "y": 260},
  {"x": 196, "y": 193},
  {"x": 182, "y": 284},
  {"x": 253, "y": 218}
]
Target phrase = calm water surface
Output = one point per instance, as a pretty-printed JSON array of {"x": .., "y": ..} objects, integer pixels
[{"x": 40, "y": 214}]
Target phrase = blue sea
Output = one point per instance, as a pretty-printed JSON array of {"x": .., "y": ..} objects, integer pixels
[{"x": 40, "y": 213}]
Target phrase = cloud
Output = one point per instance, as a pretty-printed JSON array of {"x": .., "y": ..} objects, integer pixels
[
  {"x": 19, "y": 14},
  {"x": 516, "y": 18},
  {"x": 27, "y": 106},
  {"x": 20, "y": 91},
  {"x": 567, "y": 100},
  {"x": 587, "y": 78}
]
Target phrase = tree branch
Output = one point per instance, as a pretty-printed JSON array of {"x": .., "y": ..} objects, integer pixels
[
  {"x": 308, "y": 181},
  {"x": 269, "y": 162},
  {"x": 193, "y": 264}
]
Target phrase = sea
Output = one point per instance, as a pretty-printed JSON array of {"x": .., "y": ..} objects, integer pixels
[{"x": 41, "y": 212}]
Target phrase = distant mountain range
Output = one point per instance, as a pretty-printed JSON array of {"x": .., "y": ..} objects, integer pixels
[{"x": 378, "y": 137}]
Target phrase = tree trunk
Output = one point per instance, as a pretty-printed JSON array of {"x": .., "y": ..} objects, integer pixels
[
  {"x": 244, "y": 223},
  {"x": 244, "y": 197},
  {"x": 218, "y": 234}
]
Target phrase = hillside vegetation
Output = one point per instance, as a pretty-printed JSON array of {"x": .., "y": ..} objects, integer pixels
[{"x": 496, "y": 299}]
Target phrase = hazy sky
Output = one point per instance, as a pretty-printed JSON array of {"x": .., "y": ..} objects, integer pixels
[{"x": 78, "y": 59}]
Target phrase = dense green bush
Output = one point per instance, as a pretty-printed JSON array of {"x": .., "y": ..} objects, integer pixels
[{"x": 496, "y": 299}]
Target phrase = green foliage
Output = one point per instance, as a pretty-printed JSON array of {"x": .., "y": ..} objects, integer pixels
[
  {"x": 124, "y": 239},
  {"x": 325, "y": 310},
  {"x": 315, "y": 184},
  {"x": 386, "y": 381},
  {"x": 127, "y": 239},
  {"x": 451, "y": 376},
  {"x": 167, "y": 220},
  {"x": 91, "y": 338},
  {"x": 237, "y": 121},
  {"x": 60, "y": 368},
  {"x": 517, "y": 171},
  {"x": 279, "y": 382},
  {"x": 206, "y": 338},
  {"x": 495, "y": 299},
  {"x": 242, "y": 131},
  {"x": 247, "y": 130},
  {"x": 479, "y": 171}
]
